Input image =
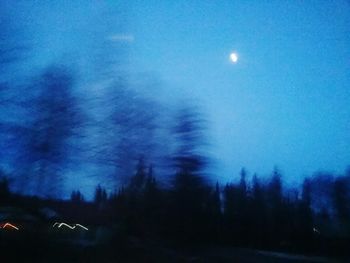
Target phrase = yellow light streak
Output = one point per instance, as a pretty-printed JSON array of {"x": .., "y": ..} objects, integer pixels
[{"x": 10, "y": 225}]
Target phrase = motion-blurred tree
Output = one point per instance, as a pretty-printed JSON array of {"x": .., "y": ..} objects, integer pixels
[
  {"x": 13, "y": 51},
  {"x": 188, "y": 160},
  {"x": 138, "y": 181},
  {"x": 54, "y": 121},
  {"x": 189, "y": 185},
  {"x": 128, "y": 126},
  {"x": 100, "y": 195}
]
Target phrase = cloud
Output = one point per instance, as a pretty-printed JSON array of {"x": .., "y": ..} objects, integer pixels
[{"x": 122, "y": 38}]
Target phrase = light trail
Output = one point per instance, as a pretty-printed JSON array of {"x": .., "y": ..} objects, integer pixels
[
  {"x": 83, "y": 227},
  {"x": 10, "y": 225},
  {"x": 69, "y": 226},
  {"x": 64, "y": 224}
]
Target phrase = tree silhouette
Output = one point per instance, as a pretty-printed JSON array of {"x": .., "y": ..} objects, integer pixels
[
  {"x": 215, "y": 219},
  {"x": 258, "y": 212},
  {"x": 4, "y": 186},
  {"x": 305, "y": 226},
  {"x": 100, "y": 195},
  {"x": 77, "y": 197},
  {"x": 276, "y": 208},
  {"x": 189, "y": 185},
  {"x": 341, "y": 200},
  {"x": 138, "y": 181}
]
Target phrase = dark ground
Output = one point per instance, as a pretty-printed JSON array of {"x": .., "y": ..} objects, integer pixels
[{"x": 135, "y": 250}]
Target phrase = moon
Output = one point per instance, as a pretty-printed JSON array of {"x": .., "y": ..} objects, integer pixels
[{"x": 234, "y": 57}]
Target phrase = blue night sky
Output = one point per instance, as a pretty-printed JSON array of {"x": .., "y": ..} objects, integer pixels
[{"x": 285, "y": 102}]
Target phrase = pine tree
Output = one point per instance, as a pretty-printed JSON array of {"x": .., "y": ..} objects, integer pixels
[
  {"x": 137, "y": 182},
  {"x": 276, "y": 212},
  {"x": 98, "y": 195},
  {"x": 258, "y": 213},
  {"x": 305, "y": 212},
  {"x": 77, "y": 197}
]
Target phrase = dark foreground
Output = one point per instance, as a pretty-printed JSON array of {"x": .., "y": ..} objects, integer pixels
[{"x": 42, "y": 249}]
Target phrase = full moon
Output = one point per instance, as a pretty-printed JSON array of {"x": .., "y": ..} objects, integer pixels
[{"x": 234, "y": 57}]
